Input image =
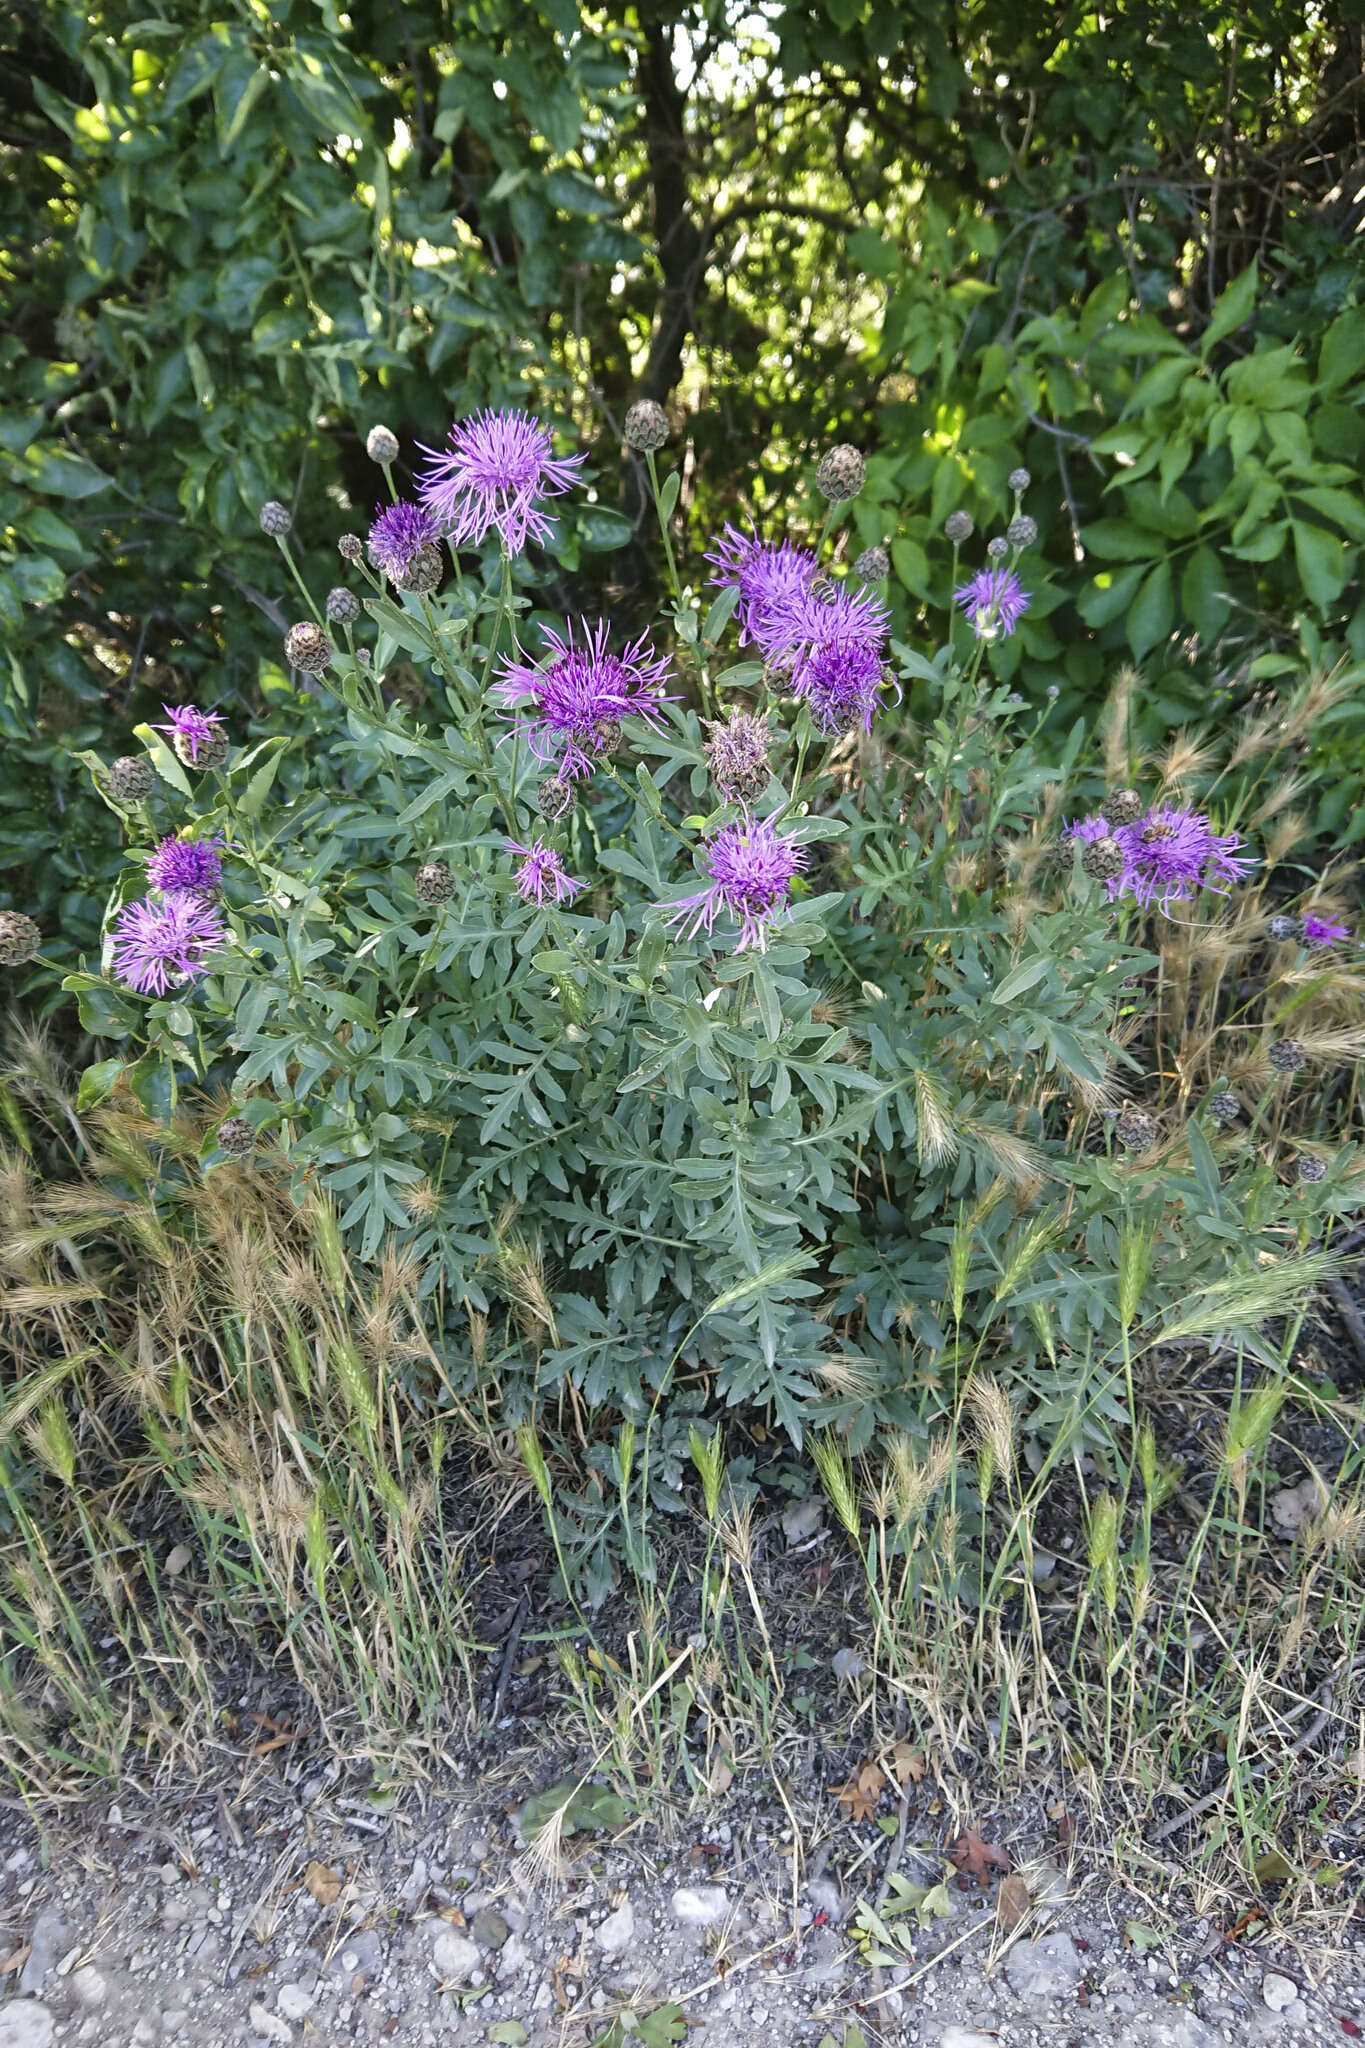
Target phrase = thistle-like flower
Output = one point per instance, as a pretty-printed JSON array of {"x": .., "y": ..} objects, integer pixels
[
  {"x": 994, "y": 601},
  {"x": 1173, "y": 852},
  {"x": 397, "y": 538},
  {"x": 1319, "y": 931},
  {"x": 540, "y": 873},
  {"x": 840, "y": 679},
  {"x": 569, "y": 711},
  {"x": 191, "y": 866},
  {"x": 737, "y": 755},
  {"x": 165, "y": 945},
  {"x": 491, "y": 474},
  {"x": 751, "y": 868},
  {"x": 195, "y": 735},
  {"x": 770, "y": 580}
]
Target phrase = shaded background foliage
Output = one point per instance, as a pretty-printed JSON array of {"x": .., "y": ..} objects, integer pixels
[{"x": 1123, "y": 248}]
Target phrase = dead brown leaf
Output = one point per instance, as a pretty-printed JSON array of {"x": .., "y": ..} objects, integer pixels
[
  {"x": 1012, "y": 1904},
  {"x": 860, "y": 1796},
  {"x": 906, "y": 1764},
  {"x": 975, "y": 1858},
  {"x": 323, "y": 1882},
  {"x": 722, "y": 1777},
  {"x": 15, "y": 1960}
]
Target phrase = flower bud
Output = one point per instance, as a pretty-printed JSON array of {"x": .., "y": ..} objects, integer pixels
[
  {"x": 424, "y": 572},
  {"x": 1103, "y": 859},
  {"x": 646, "y": 426},
  {"x": 554, "y": 797},
  {"x": 1022, "y": 531},
  {"x": 1311, "y": 1168},
  {"x": 737, "y": 754},
  {"x": 1018, "y": 479},
  {"x": 607, "y": 735},
  {"x": 1282, "y": 927},
  {"x": 958, "y": 527},
  {"x": 434, "y": 882},
  {"x": 342, "y": 607},
  {"x": 1287, "y": 1055},
  {"x": 236, "y": 1137},
  {"x": 841, "y": 473},
  {"x": 997, "y": 548},
  {"x": 351, "y": 547},
  {"x": 1224, "y": 1107},
  {"x": 1123, "y": 807},
  {"x": 1136, "y": 1131},
  {"x": 308, "y": 648},
  {"x": 130, "y": 779},
  {"x": 873, "y": 565},
  {"x": 381, "y": 446},
  {"x": 20, "y": 938},
  {"x": 275, "y": 519}
]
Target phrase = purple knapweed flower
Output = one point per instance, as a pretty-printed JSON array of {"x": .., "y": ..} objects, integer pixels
[
  {"x": 751, "y": 869},
  {"x": 540, "y": 873},
  {"x": 769, "y": 579},
  {"x": 1317, "y": 931},
  {"x": 840, "y": 680},
  {"x": 490, "y": 473},
  {"x": 157, "y": 946},
  {"x": 581, "y": 694},
  {"x": 192, "y": 728},
  {"x": 832, "y": 648},
  {"x": 397, "y": 537},
  {"x": 1173, "y": 851},
  {"x": 994, "y": 601},
  {"x": 192, "y": 865}
]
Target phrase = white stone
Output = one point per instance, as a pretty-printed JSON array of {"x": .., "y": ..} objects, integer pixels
[
  {"x": 88, "y": 1987},
  {"x": 269, "y": 2025},
  {"x": 617, "y": 1931},
  {"x": 24, "y": 2023},
  {"x": 1277, "y": 1991},
  {"x": 966, "y": 2037},
  {"x": 456, "y": 1957},
  {"x": 700, "y": 1905},
  {"x": 294, "y": 2002},
  {"x": 1049, "y": 1967}
]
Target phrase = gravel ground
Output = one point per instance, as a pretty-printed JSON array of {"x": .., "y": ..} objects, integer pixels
[{"x": 296, "y": 1912}]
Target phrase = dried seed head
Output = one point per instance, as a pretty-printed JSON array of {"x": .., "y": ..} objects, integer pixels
[
  {"x": 1311, "y": 1168},
  {"x": 737, "y": 754},
  {"x": 958, "y": 527},
  {"x": 554, "y": 797},
  {"x": 236, "y": 1137},
  {"x": 606, "y": 735},
  {"x": 1136, "y": 1131},
  {"x": 1123, "y": 807},
  {"x": 1018, "y": 479},
  {"x": 308, "y": 648},
  {"x": 646, "y": 426},
  {"x": 1102, "y": 859},
  {"x": 342, "y": 607},
  {"x": 275, "y": 519},
  {"x": 130, "y": 779},
  {"x": 434, "y": 882},
  {"x": 841, "y": 473},
  {"x": 997, "y": 548},
  {"x": 381, "y": 446},
  {"x": 1224, "y": 1107},
  {"x": 1287, "y": 1055},
  {"x": 1282, "y": 927},
  {"x": 20, "y": 938},
  {"x": 1022, "y": 532},
  {"x": 873, "y": 565},
  {"x": 351, "y": 547},
  {"x": 424, "y": 572}
]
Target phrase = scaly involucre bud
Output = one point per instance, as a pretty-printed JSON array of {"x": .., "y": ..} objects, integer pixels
[
  {"x": 958, "y": 527},
  {"x": 554, "y": 797},
  {"x": 1287, "y": 1055},
  {"x": 20, "y": 938},
  {"x": 381, "y": 446},
  {"x": 737, "y": 753},
  {"x": 1224, "y": 1107},
  {"x": 1022, "y": 532},
  {"x": 275, "y": 519},
  {"x": 130, "y": 779},
  {"x": 434, "y": 882},
  {"x": 646, "y": 426},
  {"x": 1282, "y": 927},
  {"x": 308, "y": 648},
  {"x": 236, "y": 1137},
  {"x": 1311, "y": 1168},
  {"x": 1123, "y": 807},
  {"x": 873, "y": 565},
  {"x": 841, "y": 473},
  {"x": 1136, "y": 1131},
  {"x": 424, "y": 572},
  {"x": 1018, "y": 479},
  {"x": 1102, "y": 859},
  {"x": 342, "y": 607},
  {"x": 350, "y": 547}
]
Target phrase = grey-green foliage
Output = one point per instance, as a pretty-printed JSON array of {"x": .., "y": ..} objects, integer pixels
[{"x": 820, "y": 1181}]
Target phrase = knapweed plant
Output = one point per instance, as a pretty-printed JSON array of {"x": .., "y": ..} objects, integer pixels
[{"x": 736, "y": 1009}]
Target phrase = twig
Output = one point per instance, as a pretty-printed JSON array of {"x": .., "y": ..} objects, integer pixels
[
  {"x": 1352, "y": 1319},
  {"x": 508, "y": 1658},
  {"x": 1326, "y": 1712}
]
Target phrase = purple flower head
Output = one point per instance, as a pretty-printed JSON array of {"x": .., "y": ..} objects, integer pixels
[
  {"x": 1317, "y": 931},
  {"x": 840, "y": 680},
  {"x": 832, "y": 647},
  {"x": 1088, "y": 830},
  {"x": 769, "y": 580},
  {"x": 397, "y": 538},
  {"x": 193, "y": 865},
  {"x": 490, "y": 473},
  {"x": 1172, "y": 852},
  {"x": 751, "y": 868},
  {"x": 580, "y": 693},
  {"x": 194, "y": 727},
  {"x": 994, "y": 601},
  {"x": 157, "y": 946},
  {"x": 540, "y": 873}
]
